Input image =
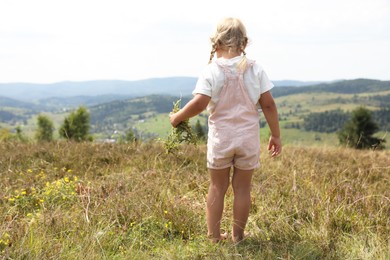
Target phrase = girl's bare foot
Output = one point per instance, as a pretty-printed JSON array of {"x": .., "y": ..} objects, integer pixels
[
  {"x": 222, "y": 237},
  {"x": 238, "y": 239}
]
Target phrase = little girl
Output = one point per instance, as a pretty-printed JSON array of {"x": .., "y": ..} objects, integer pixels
[{"x": 233, "y": 88}]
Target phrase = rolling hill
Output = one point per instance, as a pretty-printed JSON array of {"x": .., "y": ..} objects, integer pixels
[
  {"x": 125, "y": 110},
  {"x": 33, "y": 92},
  {"x": 355, "y": 86},
  {"x": 174, "y": 86}
]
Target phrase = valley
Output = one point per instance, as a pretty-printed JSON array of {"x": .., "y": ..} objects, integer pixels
[{"x": 113, "y": 114}]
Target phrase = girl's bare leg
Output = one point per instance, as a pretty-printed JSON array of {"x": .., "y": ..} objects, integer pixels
[
  {"x": 241, "y": 183},
  {"x": 219, "y": 183}
]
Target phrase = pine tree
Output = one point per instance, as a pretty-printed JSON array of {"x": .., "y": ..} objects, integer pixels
[
  {"x": 45, "y": 129},
  {"x": 76, "y": 126},
  {"x": 359, "y": 130}
]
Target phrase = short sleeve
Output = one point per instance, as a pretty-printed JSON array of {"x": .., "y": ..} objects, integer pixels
[
  {"x": 204, "y": 83},
  {"x": 265, "y": 83}
]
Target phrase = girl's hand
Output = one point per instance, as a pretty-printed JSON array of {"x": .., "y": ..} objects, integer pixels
[
  {"x": 274, "y": 146},
  {"x": 173, "y": 119},
  {"x": 196, "y": 105}
]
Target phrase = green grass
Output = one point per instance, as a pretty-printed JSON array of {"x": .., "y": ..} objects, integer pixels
[
  {"x": 160, "y": 126},
  {"x": 304, "y": 103},
  {"x": 133, "y": 201},
  {"x": 300, "y": 138}
]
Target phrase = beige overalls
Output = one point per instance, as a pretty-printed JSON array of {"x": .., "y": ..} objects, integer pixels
[{"x": 233, "y": 138}]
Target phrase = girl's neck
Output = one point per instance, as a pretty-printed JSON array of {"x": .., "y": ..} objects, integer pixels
[{"x": 226, "y": 54}]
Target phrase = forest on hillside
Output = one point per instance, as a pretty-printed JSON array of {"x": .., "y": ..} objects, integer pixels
[
  {"x": 355, "y": 86},
  {"x": 334, "y": 120}
]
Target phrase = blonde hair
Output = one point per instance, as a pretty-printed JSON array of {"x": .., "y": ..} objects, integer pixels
[{"x": 230, "y": 33}]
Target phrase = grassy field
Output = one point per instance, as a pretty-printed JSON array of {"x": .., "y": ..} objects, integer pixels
[
  {"x": 292, "y": 109},
  {"x": 304, "y": 103},
  {"x": 133, "y": 201}
]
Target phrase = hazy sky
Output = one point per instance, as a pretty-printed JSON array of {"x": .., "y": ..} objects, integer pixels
[{"x": 46, "y": 41}]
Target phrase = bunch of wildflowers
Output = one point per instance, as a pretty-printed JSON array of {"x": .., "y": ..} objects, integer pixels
[{"x": 182, "y": 133}]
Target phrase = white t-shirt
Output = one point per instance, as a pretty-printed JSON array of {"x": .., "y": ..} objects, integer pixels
[{"x": 212, "y": 80}]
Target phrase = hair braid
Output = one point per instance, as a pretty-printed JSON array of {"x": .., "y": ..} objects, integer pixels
[{"x": 213, "y": 50}]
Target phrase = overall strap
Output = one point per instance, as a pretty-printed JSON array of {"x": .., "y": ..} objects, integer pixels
[{"x": 227, "y": 70}]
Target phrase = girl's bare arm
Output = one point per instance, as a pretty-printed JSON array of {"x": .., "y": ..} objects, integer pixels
[
  {"x": 192, "y": 108},
  {"x": 270, "y": 111}
]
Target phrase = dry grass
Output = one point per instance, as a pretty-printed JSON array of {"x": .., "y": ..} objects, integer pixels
[{"x": 134, "y": 201}]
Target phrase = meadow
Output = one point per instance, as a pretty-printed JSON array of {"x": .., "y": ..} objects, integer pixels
[
  {"x": 65, "y": 200},
  {"x": 292, "y": 110}
]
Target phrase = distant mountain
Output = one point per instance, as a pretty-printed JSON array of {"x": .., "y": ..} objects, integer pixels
[
  {"x": 75, "y": 101},
  {"x": 123, "y": 110},
  {"x": 344, "y": 86},
  {"x": 13, "y": 103},
  {"x": 90, "y": 93},
  {"x": 175, "y": 86},
  {"x": 294, "y": 83},
  {"x": 12, "y": 110},
  {"x": 354, "y": 86},
  {"x": 32, "y": 92}
]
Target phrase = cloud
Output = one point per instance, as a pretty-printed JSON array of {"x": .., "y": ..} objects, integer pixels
[{"x": 45, "y": 41}]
